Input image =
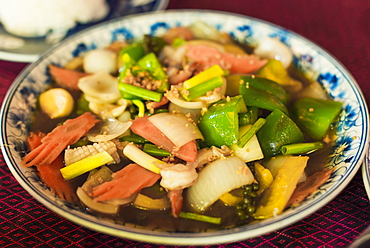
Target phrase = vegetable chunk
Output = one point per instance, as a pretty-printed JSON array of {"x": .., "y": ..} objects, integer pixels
[
  {"x": 216, "y": 179},
  {"x": 276, "y": 196},
  {"x": 314, "y": 116},
  {"x": 278, "y": 130},
  {"x": 220, "y": 124},
  {"x": 56, "y": 102},
  {"x": 87, "y": 164}
]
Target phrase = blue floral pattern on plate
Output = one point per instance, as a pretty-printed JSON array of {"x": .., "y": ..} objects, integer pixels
[{"x": 313, "y": 61}]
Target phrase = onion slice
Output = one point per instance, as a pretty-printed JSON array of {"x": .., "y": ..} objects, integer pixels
[
  {"x": 194, "y": 114},
  {"x": 272, "y": 48},
  {"x": 106, "y": 109},
  {"x": 176, "y": 127},
  {"x": 111, "y": 129},
  {"x": 202, "y": 30},
  {"x": 100, "y": 87},
  {"x": 94, "y": 205},
  {"x": 216, "y": 179},
  {"x": 100, "y": 60},
  {"x": 173, "y": 97},
  {"x": 200, "y": 102}
]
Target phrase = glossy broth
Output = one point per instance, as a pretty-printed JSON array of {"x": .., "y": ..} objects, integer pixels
[{"x": 162, "y": 219}]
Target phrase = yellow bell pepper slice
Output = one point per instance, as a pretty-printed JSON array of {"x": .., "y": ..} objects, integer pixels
[
  {"x": 205, "y": 75},
  {"x": 145, "y": 202},
  {"x": 275, "y": 197},
  {"x": 231, "y": 200},
  {"x": 263, "y": 176}
]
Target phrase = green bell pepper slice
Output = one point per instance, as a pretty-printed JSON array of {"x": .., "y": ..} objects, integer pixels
[
  {"x": 278, "y": 130},
  {"x": 314, "y": 116},
  {"x": 82, "y": 105},
  {"x": 250, "y": 116},
  {"x": 127, "y": 64},
  {"x": 135, "y": 51},
  {"x": 265, "y": 84},
  {"x": 153, "y": 44},
  {"x": 129, "y": 56},
  {"x": 263, "y": 93},
  {"x": 220, "y": 124},
  {"x": 151, "y": 63}
]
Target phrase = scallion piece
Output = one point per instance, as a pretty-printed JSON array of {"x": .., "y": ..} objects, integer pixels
[
  {"x": 205, "y": 75},
  {"x": 134, "y": 138},
  {"x": 140, "y": 106},
  {"x": 202, "y": 88},
  {"x": 155, "y": 150},
  {"x": 84, "y": 165},
  {"x": 159, "y": 110},
  {"x": 142, "y": 158},
  {"x": 140, "y": 92},
  {"x": 251, "y": 131},
  {"x": 129, "y": 96},
  {"x": 301, "y": 148},
  {"x": 200, "y": 217}
]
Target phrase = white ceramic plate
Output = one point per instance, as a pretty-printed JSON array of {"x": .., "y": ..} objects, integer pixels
[
  {"x": 347, "y": 155},
  {"x": 20, "y": 49}
]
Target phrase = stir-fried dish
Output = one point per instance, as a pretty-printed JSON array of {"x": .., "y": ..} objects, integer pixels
[{"x": 189, "y": 131}]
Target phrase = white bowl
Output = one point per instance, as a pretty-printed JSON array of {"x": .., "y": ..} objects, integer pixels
[
  {"x": 15, "y": 48},
  {"x": 347, "y": 155}
]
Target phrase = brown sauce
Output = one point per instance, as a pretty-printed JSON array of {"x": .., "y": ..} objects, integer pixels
[{"x": 162, "y": 219}]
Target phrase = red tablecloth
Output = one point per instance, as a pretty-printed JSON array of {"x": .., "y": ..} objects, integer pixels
[{"x": 340, "y": 27}]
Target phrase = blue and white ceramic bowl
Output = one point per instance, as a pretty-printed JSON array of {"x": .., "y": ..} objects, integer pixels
[
  {"x": 347, "y": 155},
  {"x": 366, "y": 172}
]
